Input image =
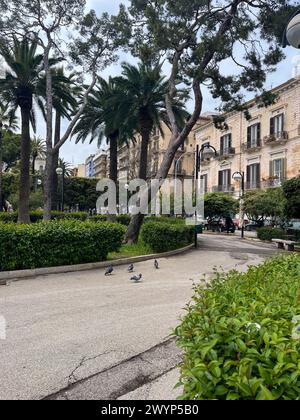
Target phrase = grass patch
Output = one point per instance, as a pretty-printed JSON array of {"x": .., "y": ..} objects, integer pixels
[{"x": 128, "y": 251}]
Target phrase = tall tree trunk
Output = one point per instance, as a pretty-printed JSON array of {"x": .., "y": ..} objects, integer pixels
[
  {"x": 54, "y": 183},
  {"x": 24, "y": 189},
  {"x": 49, "y": 152},
  {"x": 1, "y": 168},
  {"x": 133, "y": 231},
  {"x": 113, "y": 157}
]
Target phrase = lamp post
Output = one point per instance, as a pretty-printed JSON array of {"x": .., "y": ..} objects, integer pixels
[
  {"x": 291, "y": 35},
  {"x": 61, "y": 172},
  {"x": 208, "y": 151},
  {"x": 126, "y": 186},
  {"x": 240, "y": 177}
]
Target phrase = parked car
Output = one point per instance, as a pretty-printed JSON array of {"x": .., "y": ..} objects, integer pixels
[{"x": 219, "y": 225}]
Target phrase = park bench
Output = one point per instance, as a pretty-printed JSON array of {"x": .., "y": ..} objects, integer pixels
[{"x": 282, "y": 243}]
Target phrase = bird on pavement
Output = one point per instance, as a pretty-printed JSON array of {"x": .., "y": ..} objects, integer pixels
[
  {"x": 109, "y": 271},
  {"x": 156, "y": 265},
  {"x": 137, "y": 279},
  {"x": 131, "y": 268}
]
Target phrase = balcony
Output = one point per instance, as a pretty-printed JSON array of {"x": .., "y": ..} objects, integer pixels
[
  {"x": 273, "y": 182},
  {"x": 226, "y": 153},
  {"x": 228, "y": 189},
  {"x": 254, "y": 146},
  {"x": 277, "y": 138},
  {"x": 254, "y": 185}
]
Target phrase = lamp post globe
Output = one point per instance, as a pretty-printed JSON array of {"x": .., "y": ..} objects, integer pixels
[
  {"x": 237, "y": 176},
  {"x": 59, "y": 171},
  {"x": 293, "y": 32}
]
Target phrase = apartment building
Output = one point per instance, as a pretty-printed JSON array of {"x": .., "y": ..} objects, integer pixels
[
  {"x": 266, "y": 147},
  {"x": 101, "y": 165},
  {"x": 89, "y": 167},
  {"x": 183, "y": 166}
]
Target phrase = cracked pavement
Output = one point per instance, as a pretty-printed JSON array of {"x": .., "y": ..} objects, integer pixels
[{"x": 87, "y": 336}]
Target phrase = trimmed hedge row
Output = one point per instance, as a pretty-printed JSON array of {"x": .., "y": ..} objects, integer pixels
[
  {"x": 241, "y": 336},
  {"x": 123, "y": 219},
  {"x": 268, "y": 233},
  {"x": 164, "y": 236},
  {"x": 57, "y": 243},
  {"x": 36, "y": 216}
]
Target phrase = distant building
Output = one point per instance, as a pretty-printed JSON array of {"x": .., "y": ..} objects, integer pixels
[
  {"x": 89, "y": 167},
  {"x": 100, "y": 165},
  {"x": 81, "y": 170},
  {"x": 40, "y": 164}
]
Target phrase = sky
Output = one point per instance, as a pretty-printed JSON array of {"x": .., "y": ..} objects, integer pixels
[{"x": 77, "y": 154}]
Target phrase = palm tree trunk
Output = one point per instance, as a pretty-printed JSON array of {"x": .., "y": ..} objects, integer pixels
[
  {"x": 1, "y": 167},
  {"x": 134, "y": 228},
  {"x": 54, "y": 184},
  {"x": 24, "y": 189},
  {"x": 113, "y": 157}
]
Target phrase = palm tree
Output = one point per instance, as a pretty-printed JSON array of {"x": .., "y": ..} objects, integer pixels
[
  {"x": 21, "y": 87},
  {"x": 66, "y": 167},
  {"x": 66, "y": 91},
  {"x": 8, "y": 123},
  {"x": 98, "y": 122},
  {"x": 140, "y": 105},
  {"x": 38, "y": 149}
]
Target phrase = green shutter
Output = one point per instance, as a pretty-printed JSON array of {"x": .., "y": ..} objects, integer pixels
[
  {"x": 271, "y": 173},
  {"x": 284, "y": 168}
]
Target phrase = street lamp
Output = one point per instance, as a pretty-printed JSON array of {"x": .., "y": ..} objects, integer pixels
[
  {"x": 207, "y": 151},
  {"x": 61, "y": 172},
  {"x": 240, "y": 177},
  {"x": 126, "y": 186},
  {"x": 291, "y": 34}
]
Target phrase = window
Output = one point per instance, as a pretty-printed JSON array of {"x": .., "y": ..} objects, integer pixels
[
  {"x": 204, "y": 183},
  {"x": 225, "y": 144},
  {"x": 277, "y": 125},
  {"x": 224, "y": 179},
  {"x": 253, "y": 176},
  {"x": 277, "y": 170},
  {"x": 253, "y": 138},
  {"x": 178, "y": 166}
]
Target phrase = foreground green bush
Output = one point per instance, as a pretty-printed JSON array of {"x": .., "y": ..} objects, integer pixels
[
  {"x": 162, "y": 236},
  {"x": 268, "y": 233},
  {"x": 57, "y": 243},
  {"x": 124, "y": 219},
  {"x": 36, "y": 216},
  {"x": 242, "y": 335}
]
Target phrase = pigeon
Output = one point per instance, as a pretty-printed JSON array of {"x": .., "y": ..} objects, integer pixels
[
  {"x": 131, "y": 268},
  {"x": 137, "y": 279},
  {"x": 156, "y": 265},
  {"x": 109, "y": 271}
]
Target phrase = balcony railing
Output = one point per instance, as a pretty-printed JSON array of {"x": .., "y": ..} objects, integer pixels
[
  {"x": 252, "y": 146},
  {"x": 254, "y": 185},
  {"x": 226, "y": 152},
  {"x": 273, "y": 182},
  {"x": 276, "y": 138},
  {"x": 223, "y": 188}
]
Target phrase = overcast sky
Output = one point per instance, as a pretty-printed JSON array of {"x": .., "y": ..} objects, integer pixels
[{"x": 78, "y": 153}]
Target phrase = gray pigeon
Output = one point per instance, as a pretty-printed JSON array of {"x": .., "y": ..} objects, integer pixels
[
  {"x": 156, "y": 265},
  {"x": 137, "y": 279},
  {"x": 109, "y": 271},
  {"x": 131, "y": 268}
]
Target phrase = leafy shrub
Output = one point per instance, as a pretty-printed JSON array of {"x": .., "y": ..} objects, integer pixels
[
  {"x": 242, "y": 335},
  {"x": 36, "y": 216},
  {"x": 268, "y": 233},
  {"x": 57, "y": 243},
  {"x": 162, "y": 236},
  {"x": 123, "y": 219}
]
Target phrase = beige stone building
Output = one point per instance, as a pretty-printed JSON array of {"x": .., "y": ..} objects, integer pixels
[
  {"x": 266, "y": 148},
  {"x": 101, "y": 164},
  {"x": 129, "y": 157}
]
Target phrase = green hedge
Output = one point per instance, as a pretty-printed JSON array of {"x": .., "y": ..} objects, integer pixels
[
  {"x": 36, "y": 216},
  {"x": 57, "y": 243},
  {"x": 162, "y": 236},
  {"x": 268, "y": 233},
  {"x": 241, "y": 336},
  {"x": 123, "y": 219}
]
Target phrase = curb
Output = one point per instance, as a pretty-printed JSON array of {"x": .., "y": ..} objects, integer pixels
[{"x": 23, "y": 274}]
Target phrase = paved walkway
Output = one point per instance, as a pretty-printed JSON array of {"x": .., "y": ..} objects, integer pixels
[{"x": 84, "y": 335}]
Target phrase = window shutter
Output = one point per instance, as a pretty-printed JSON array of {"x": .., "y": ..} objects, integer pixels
[
  {"x": 220, "y": 178},
  {"x": 258, "y": 134},
  {"x": 257, "y": 175},
  {"x": 282, "y": 116},
  {"x": 271, "y": 173},
  {"x": 229, "y": 177},
  {"x": 272, "y": 126},
  {"x": 248, "y": 174},
  {"x": 284, "y": 169},
  {"x": 249, "y": 137},
  {"x": 230, "y": 141},
  {"x": 222, "y": 144}
]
